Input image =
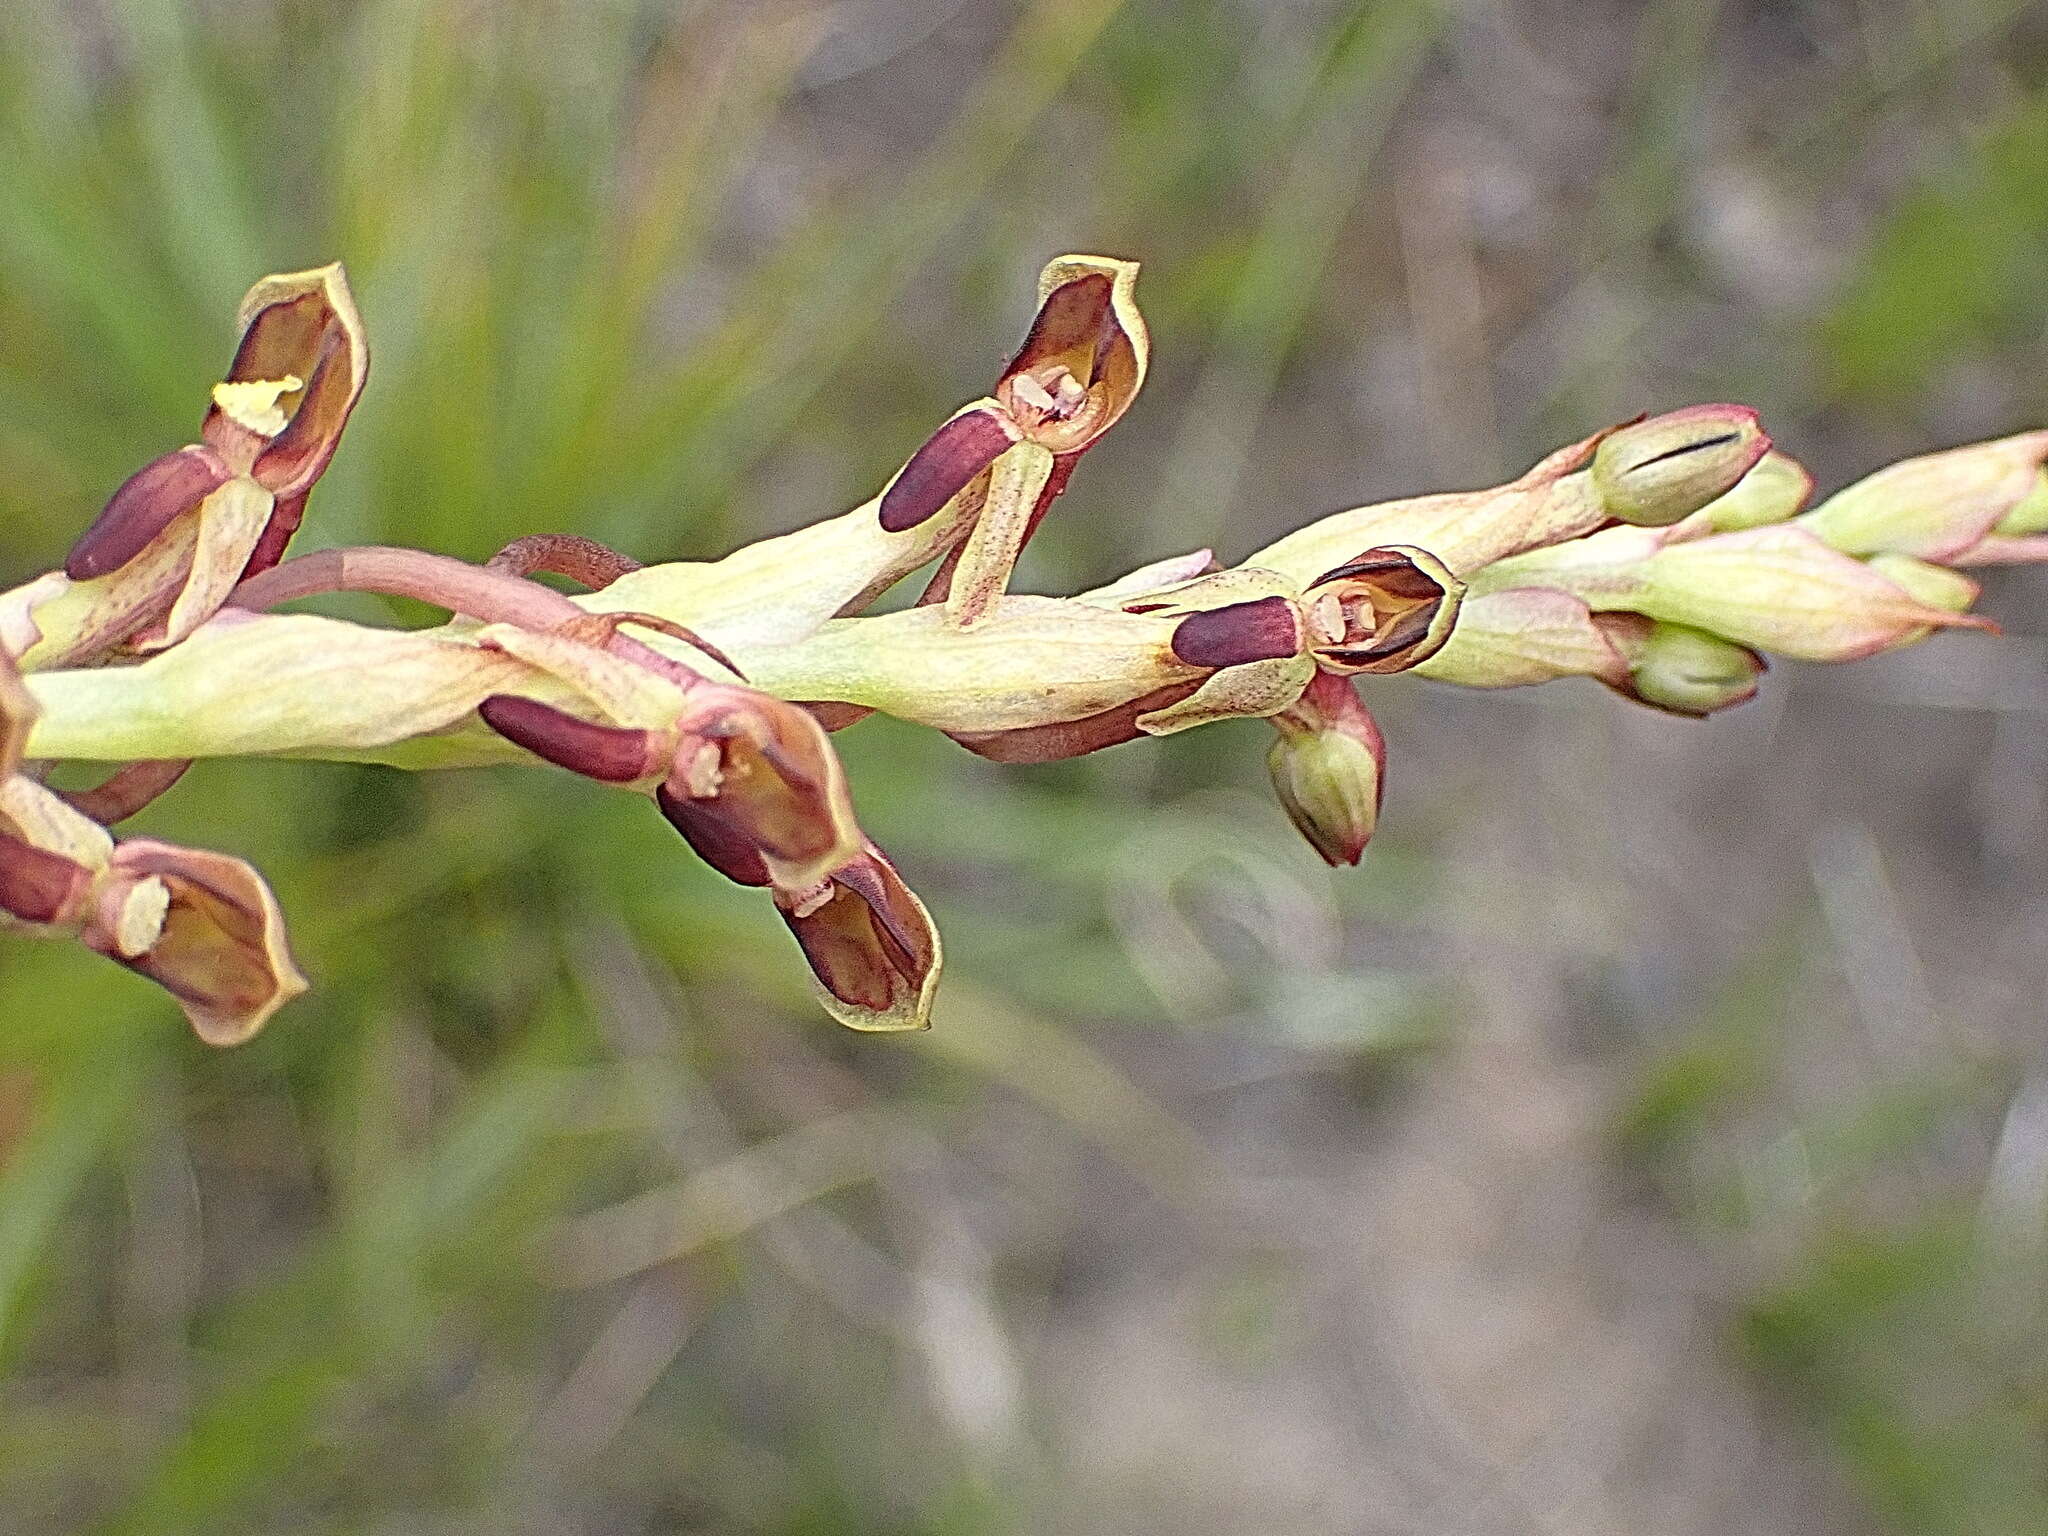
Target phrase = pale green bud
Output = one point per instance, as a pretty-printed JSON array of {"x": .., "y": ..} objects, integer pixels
[
  {"x": 1328, "y": 767},
  {"x": 1658, "y": 471},
  {"x": 1775, "y": 588},
  {"x": 2030, "y": 514},
  {"x": 1770, "y": 493},
  {"x": 1679, "y": 669},
  {"x": 1522, "y": 635},
  {"x": 1935, "y": 585},
  {"x": 1938, "y": 506},
  {"x": 1780, "y": 589}
]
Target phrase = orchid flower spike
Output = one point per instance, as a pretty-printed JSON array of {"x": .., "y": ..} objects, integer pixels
[{"x": 1162, "y": 651}]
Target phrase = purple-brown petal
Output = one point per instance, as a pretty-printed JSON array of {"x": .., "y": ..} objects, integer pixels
[
  {"x": 766, "y": 769},
  {"x": 148, "y": 502},
  {"x": 611, "y": 754},
  {"x": 870, "y": 943},
  {"x": 297, "y": 455},
  {"x": 221, "y": 951},
  {"x": 942, "y": 468},
  {"x": 285, "y": 518},
  {"x": 38, "y": 886},
  {"x": 714, "y": 839},
  {"x": 1072, "y": 328},
  {"x": 1262, "y": 630}
]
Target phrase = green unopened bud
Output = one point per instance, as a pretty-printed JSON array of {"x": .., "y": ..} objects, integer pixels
[
  {"x": 2030, "y": 514},
  {"x": 1679, "y": 669},
  {"x": 1776, "y": 588},
  {"x": 1770, "y": 493},
  {"x": 1658, "y": 471},
  {"x": 1522, "y": 635},
  {"x": 1780, "y": 589},
  {"x": 1940, "y": 505},
  {"x": 1328, "y": 767},
  {"x": 1935, "y": 585}
]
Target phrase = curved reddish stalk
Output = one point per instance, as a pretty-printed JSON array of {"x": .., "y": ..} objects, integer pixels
[
  {"x": 582, "y": 560},
  {"x": 474, "y": 591},
  {"x": 491, "y": 596},
  {"x": 128, "y": 789}
]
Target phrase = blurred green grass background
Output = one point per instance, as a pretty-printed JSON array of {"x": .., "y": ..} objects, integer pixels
[{"x": 1651, "y": 1137}]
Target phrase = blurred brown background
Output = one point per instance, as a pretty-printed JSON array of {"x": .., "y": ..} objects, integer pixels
[{"x": 1651, "y": 1137}]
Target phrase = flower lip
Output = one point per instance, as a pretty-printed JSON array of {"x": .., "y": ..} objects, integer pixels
[
  {"x": 220, "y": 950},
  {"x": 297, "y": 374},
  {"x": 870, "y": 943},
  {"x": 1084, "y": 358},
  {"x": 1262, "y": 630},
  {"x": 766, "y": 770},
  {"x": 145, "y": 504},
  {"x": 610, "y": 754},
  {"x": 1389, "y": 609},
  {"x": 943, "y": 467},
  {"x": 36, "y": 885}
]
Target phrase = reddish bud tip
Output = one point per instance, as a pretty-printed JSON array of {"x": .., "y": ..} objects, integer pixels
[
  {"x": 148, "y": 502},
  {"x": 609, "y": 753},
  {"x": 941, "y": 469},
  {"x": 1242, "y": 632},
  {"x": 1329, "y": 768}
]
